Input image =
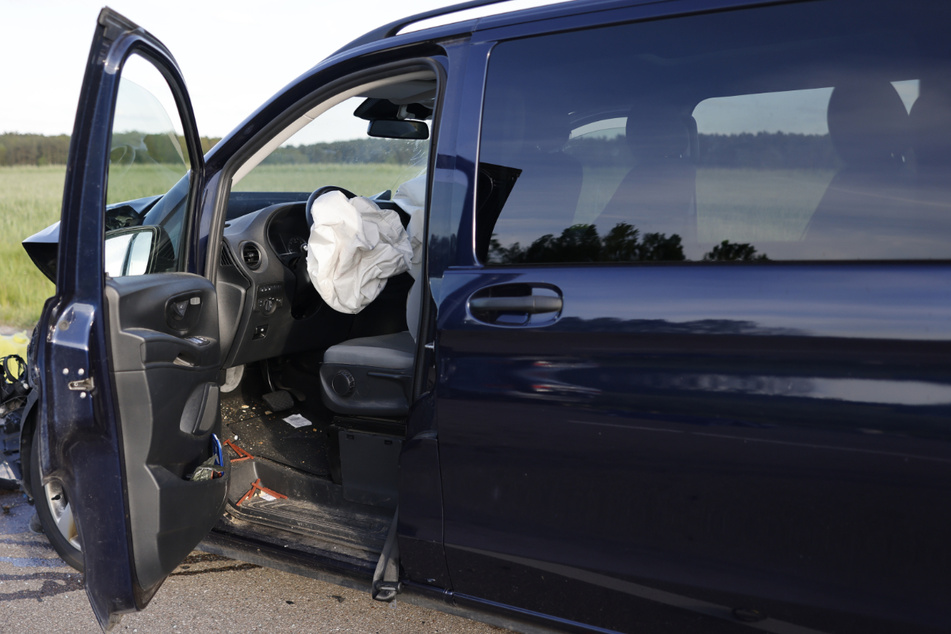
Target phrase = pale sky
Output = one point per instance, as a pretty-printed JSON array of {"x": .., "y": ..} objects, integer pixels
[{"x": 234, "y": 54}]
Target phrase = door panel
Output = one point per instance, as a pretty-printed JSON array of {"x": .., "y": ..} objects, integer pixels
[
  {"x": 166, "y": 387},
  {"x": 727, "y": 438},
  {"x": 736, "y": 408},
  {"x": 129, "y": 364}
]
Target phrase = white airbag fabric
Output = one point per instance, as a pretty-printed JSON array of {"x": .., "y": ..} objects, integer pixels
[
  {"x": 411, "y": 197},
  {"x": 354, "y": 248}
]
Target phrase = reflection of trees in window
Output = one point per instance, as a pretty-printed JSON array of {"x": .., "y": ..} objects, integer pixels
[
  {"x": 728, "y": 251},
  {"x": 623, "y": 243},
  {"x": 763, "y": 150},
  {"x": 581, "y": 243}
]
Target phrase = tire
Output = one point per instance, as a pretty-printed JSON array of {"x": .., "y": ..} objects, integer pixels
[{"x": 55, "y": 513}]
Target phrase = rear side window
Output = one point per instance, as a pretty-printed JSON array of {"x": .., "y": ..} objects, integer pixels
[{"x": 806, "y": 132}]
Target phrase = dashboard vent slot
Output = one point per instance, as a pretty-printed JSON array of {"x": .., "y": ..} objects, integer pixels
[
  {"x": 226, "y": 257},
  {"x": 251, "y": 255}
]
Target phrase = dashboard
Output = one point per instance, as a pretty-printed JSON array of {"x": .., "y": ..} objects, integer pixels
[{"x": 267, "y": 301}]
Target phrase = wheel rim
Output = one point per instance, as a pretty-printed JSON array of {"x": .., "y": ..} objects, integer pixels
[{"x": 62, "y": 513}]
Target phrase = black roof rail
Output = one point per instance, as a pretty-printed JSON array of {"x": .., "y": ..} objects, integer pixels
[{"x": 393, "y": 28}]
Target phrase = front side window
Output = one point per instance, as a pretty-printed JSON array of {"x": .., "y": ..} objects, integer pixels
[
  {"x": 763, "y": 134},
  {"x": 148, "y": 157}
]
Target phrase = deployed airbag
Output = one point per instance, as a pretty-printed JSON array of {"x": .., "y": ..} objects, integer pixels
[{"x": 354, "y": 247}]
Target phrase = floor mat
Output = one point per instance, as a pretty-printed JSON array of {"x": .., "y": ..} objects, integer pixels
[{"x": 269, "y": 435}]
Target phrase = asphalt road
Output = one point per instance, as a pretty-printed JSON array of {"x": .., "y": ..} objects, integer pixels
[{"x": 207, "y": 593}]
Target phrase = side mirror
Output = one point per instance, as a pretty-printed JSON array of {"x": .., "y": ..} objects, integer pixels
[
  {"x": 137, "y": 251},
  {"x": 398, "y": 129}
]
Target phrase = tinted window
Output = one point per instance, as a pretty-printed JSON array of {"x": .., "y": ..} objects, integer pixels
[{"x": 790, "y": 133}]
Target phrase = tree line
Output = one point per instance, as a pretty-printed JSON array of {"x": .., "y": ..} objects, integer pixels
[
  {"x": 763, "y": 150},
  {"x": 396, "y": 151},
  {"x": 33, "y": 149},
  {"x": 39, "y": 150}
]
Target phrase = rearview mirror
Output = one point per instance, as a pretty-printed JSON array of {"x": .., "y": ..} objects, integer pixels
[
  {"x": 137, "y": 251},
  {"x": 398, "y": 129}
]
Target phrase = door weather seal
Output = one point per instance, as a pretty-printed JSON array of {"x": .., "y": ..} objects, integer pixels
[{"x": 386, "y": 577}]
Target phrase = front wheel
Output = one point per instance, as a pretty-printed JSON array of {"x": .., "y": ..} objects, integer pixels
[{"x": 55, "y": 513}]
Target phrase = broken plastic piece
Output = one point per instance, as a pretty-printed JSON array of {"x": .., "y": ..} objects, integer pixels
[
  {"x": 257, "y": 489},
  {"x": 13, "y": 385},
  {"x": 242, "y": 454}
]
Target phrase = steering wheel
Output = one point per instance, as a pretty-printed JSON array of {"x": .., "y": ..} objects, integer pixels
[{"x": 320, "y": 191}]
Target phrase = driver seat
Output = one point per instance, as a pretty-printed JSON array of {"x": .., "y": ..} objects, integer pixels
[
  {"x": 373, "y": 376},
  {"x": 369, "y": 376}
]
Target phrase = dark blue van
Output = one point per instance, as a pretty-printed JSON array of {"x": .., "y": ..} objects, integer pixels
[{"x": 608, "y": 315}]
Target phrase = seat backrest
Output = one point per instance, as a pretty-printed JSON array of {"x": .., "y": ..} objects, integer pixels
[
  {"x": 869, "y": 129},
  {"x": 411, "y": 197},
  {"x": 542, "y": 184},
  {"x": 658, "y": 195},
  {"x": 930, "y": 120},
  {"x": 868, "y": 125}
]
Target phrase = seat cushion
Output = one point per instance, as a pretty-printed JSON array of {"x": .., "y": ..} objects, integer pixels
[
  {"x": 394, "y": 351},
  {"x": 369, "y": 376}
]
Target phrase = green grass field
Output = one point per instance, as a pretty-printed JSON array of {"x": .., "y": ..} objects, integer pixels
[
  {"x": 757, "y": 205},
  {"x": 364, "y": 180},
  {"x": 30, "y": 199},
  {"x": 740, "y": 205}
]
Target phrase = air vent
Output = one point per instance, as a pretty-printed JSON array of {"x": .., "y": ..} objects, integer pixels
[
  {"x": 251, "y": 255},
  {"x": 226, "y": 259}
]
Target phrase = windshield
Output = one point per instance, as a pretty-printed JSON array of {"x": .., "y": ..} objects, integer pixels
[{"x": 336, "y": 148}]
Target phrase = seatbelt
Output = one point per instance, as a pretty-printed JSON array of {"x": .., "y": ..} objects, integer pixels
[{"x": 386, "y": 577}]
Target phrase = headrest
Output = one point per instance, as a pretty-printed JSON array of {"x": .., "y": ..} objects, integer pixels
[
  {"x": 546, "y": 129},
  {"x": 868, "y": 123},
  {"x": 657, "y": 134},
  {"x": 931, "y": 123}
]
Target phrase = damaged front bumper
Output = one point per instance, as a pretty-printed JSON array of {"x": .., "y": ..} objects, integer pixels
[
  {"x": 14, "y": 396},
  {"x": 10, "y": 467}
]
